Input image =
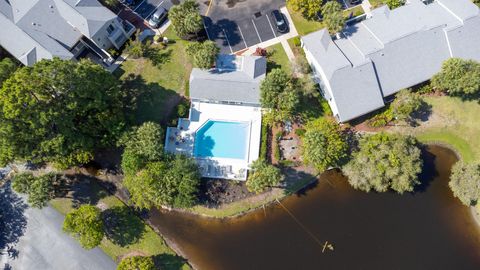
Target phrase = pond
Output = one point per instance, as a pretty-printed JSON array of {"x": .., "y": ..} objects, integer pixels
[{"x": 428, "y": 229}]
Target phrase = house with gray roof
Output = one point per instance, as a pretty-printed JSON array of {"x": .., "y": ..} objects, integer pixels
[
  {"x": 235, "y": 80},
  {"x": 389, "y": 51},
  {"x": 32, "y": 30}
]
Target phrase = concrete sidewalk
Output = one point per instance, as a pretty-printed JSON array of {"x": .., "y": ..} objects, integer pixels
[{"x": 43, "y": 245}]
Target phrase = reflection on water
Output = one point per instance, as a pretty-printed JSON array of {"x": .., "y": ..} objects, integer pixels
[{"x": 426, "y": 230}]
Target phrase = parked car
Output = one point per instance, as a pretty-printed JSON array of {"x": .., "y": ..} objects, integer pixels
[
  {"x": 158, "y": 17},
  {"x": 280, "y": 21}
]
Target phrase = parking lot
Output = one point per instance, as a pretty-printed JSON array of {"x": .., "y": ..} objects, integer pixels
[
  {"x": 242, "y": 25},
  {"x": 145, "y": 8}
]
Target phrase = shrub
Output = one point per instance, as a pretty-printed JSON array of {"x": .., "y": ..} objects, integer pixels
[
  {"x": 385, "y": 161},
  {"x": 264, "y": 142},
  {"x": 136, "y": 263},
  {"x": 297, "y": 41},
  {"x": 262, "y": 176},
  {"x": 39, "y": 189},
  {"x": 22, "y": 182},
  {"x": 465, "y": 182},
  {"x": 300, "y": 132},
  {"x": 86, "y": 225}
]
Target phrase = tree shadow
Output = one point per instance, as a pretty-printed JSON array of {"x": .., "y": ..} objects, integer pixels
[
  {"x": 423, "y": 113},
  {"x": 157, "y": 55},
  {"x": 429, "y": 172},
  {"x": 122, "y": 226},
  {"x": 83, "y": 189},
  {"x": 299, "y": 182},
  {"x": 12, "y": 217},
  {"x": 169, "y": 261}
]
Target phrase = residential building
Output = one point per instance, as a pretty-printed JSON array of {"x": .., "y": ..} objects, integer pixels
[
  {"x": 222, "y": 131},
  {"x": 32, "y": 30},
  {"x": 389, "y": 51}
]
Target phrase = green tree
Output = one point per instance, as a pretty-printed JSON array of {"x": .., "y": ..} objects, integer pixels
[
  {"x": 406, "y": 104},
  {"x": 203, "y": 53},
  {"x": 324, "y": 145},
  {"x": 333, "y": 16},
  {"x": 141, "y": 145},
  {"x": 42, "y": 190},
  {"x": 392, "y": 4},
  {"x": 385, "y": 161},
  {"x": 136, "y": 263},
  {"x": 465, "y": 182},
  {"x": 59, "y": 111},
  {"x": 186, "y": 18},
  {"x": 308, "y": 8},
  {"x": 22, "y": 182},
  {"x": 458, "y": 77},
  {"x": 278, "y": 92},
  {"x": 7, "y": 67},
  {"x": 39, "y": 189},
  {"x": 172, "y": 182},
  {"x": 86, "y": 225},
  {"x": 263, "y": 176}
]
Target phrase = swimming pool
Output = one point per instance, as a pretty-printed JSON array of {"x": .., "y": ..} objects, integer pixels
[{"x": 222, "y": 139}]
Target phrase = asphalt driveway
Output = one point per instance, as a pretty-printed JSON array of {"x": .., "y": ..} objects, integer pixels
[
  {"x": 237, "y": 24},
  {"x": 32, "y": 239}
]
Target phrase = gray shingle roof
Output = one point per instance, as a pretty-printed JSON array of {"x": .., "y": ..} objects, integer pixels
[
  {"x": 238, "y": 84},
  {"x": 406, "y": 45},
  {"x": 47, "y": 28}
]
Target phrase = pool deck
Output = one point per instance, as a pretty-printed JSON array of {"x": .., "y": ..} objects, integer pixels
[{"x": 181, "y": 139}]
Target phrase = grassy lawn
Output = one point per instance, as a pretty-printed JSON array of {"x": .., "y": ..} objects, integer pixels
[
  {"x": 453, "y": 122},
  {"x": 126, "y": 234},
  {"x": 277, "y": 58},
  {"x": 305, "y": 26},
  {"x": 159, "y": 80}
]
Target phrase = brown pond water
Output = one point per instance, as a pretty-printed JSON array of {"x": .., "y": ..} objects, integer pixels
[{"x": 428, "y": 229}]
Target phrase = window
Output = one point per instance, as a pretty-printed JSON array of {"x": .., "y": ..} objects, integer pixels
[{"x": 110, "y": 29}]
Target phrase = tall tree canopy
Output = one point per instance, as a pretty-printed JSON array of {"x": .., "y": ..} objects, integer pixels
[
  {"x": 458, "y": 77},
  {"x": 278, "y": 92},
  {"x": 172, "y": 182},
  {"x": 333, "y": 16},
  {"x": 263, "y": 176},
  {"x": 186, "y": 18},
  {"x": 59, "y": 111},
  {"x": 86, "y": 225},
  {"x": 308, "y": 8},
  {"x": 323, "y": 144},
  {"x": 203, "y": 53},
  {"x": 142, "y": 145},
  {"x": 385, "y": 161},
  {"x": 7, "y": 67},
  {"x": 465, "y": 182}
]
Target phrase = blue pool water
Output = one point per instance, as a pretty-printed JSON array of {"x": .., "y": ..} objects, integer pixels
[{"x": 222, "y": 139}]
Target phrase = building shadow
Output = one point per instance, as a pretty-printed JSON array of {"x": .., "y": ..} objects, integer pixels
[{"x": 13, "y": 221}]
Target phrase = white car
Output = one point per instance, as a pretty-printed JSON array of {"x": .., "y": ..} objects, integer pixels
[{"x": 158, "y": 17}]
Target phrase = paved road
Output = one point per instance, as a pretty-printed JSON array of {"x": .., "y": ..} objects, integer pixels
[{"x": 41, "y": 242}]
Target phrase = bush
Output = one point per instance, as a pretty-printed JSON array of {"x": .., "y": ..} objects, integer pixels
[
  {"x": 21, "y": 182},
  {"x": 465, "y": 182},
  {"x": 385, "y": 161},
  {"x": 297, "y": 41},
  {"x": 182, "y": 110},
  {"x": 277, "y": 151},
  {"x": 39, "y": 189},
  {"x": 381, "y": 119},
  {"x": 264, "y": 142},
  {"x": 86, "y": 225},
  {"x": 136, "y": 263},
  {"x": 323, "y": 145},
  {"x": 300, "y": 132},
  {"x": 262, "y": 176}
]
